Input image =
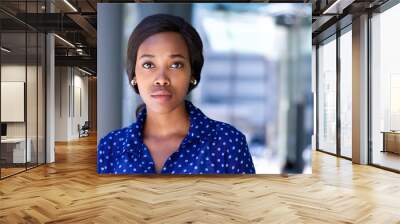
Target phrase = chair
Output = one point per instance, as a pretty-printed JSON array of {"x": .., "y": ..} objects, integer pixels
[{"x": 84, "y": 130}]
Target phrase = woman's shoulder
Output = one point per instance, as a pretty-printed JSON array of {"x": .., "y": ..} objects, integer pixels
[
  {"x": 226, "y": 134},
  {"x": 114, "y": 134},
  {"x": 225, "y": 129},
  {"x": 210, "y": 126},
  {"x": 117, "y": 136}
]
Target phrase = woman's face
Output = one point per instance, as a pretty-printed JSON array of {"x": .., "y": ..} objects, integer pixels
[{"x": 163, "y": 71}]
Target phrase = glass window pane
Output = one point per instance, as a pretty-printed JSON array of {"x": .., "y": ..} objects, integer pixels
[
  {"x": 327, "y": 97},
  {"x": 346, "y": 94},
  {"x": 31, "y": 97},
  {"x": 385, "y": 86},
  {"x": 41, "y": 98},
  {"x": 13, "y": 87},
  {"x": 22, "y": 87}
]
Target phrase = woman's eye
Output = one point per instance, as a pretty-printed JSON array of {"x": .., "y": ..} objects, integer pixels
[
  {"x": 148, "y": 65},
  {"x": 177, "y": 65}
]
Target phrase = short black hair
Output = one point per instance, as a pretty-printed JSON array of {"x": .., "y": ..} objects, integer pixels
[{"x": 159, "y": 23}]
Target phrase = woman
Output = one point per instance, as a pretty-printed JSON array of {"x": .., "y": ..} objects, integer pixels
[{"x": 171, "y": 135}]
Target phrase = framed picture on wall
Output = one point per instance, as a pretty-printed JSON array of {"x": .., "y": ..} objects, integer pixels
[{"x": 12, "y": 101}]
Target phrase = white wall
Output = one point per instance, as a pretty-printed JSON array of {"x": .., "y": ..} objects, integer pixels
[
  {"x": 17, "y": 73},
  {"x": 70, "y": 83},
  {"x": 80, "y": 83}
]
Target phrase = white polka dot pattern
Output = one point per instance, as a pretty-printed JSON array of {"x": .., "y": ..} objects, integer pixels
[{"x": 210, "y": 147}]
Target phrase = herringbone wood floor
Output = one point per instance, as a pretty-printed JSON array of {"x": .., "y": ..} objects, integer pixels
[{"x": 70, "y": 191}]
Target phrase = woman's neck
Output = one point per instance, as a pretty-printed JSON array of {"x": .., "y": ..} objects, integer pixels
[{"x": 165, "y": 125}]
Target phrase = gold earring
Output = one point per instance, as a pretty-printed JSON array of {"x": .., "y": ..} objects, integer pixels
[{"x": 194, "y": 82}]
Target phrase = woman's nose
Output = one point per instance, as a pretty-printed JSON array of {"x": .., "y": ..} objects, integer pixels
[{"x": 162, "y": 79}]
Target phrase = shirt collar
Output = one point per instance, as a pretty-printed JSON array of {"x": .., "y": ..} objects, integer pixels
[{"x": 196, "y": 119}]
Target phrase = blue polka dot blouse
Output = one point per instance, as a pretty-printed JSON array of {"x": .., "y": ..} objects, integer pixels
[{"x": 210, "y": 147}]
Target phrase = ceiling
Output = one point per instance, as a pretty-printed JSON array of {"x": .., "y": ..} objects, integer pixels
[
  {"x": 330, "y": 15},
  {"x": 76, "y": 22}
]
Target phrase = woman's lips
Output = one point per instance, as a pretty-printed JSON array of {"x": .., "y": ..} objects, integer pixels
[{"x": 161, "y": 95}]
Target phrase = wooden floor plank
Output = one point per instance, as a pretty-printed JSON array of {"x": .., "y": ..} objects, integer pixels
[{"x": 70, "y": 191}]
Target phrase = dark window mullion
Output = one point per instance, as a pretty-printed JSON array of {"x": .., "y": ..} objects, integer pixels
[
  {"x": 369, "y": 91},
  {"x": 26, "y": 86},
  {"x": 338, "y": 98},
  {"x": 317, "y": 97},
  {"x": 0, "y": 97},
  {"x": 37, "y": 90}
]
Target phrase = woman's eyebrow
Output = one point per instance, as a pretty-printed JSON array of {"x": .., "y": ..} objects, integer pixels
[
  {"x": 177, "y": 56},
  {"x": 147, "y": 56},
  {"x": 171, "y": 56}
]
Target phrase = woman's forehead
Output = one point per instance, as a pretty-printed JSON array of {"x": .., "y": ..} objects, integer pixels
[{"x": 165, "y": 43}]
